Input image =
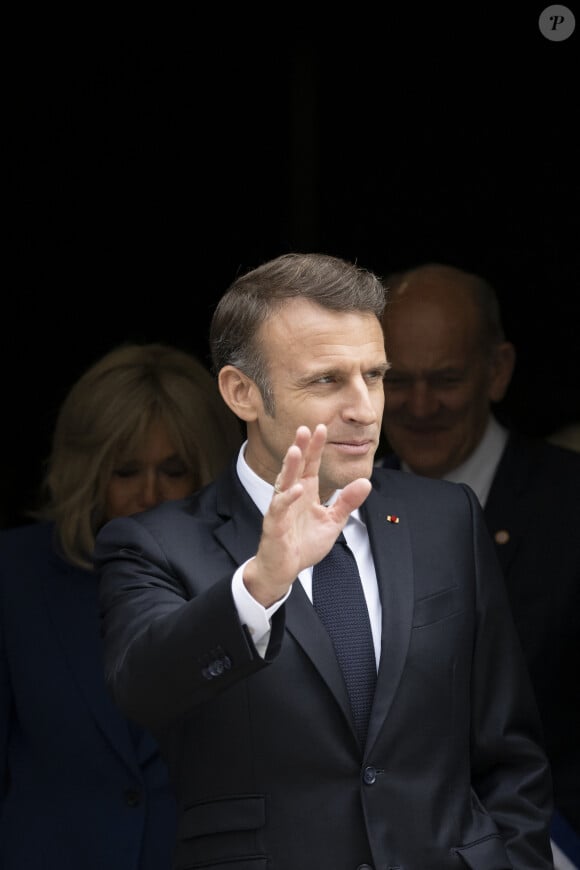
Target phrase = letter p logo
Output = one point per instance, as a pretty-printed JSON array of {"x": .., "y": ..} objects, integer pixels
[{"x": 557, "y": 23}]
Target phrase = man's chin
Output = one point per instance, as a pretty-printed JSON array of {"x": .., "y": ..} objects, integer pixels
[
  {"x": 338, "y": 478},
  {"x": 426, "y": 469}
]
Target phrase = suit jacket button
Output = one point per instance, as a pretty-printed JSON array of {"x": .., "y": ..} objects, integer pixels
[
  {"x": 132, "y": 797},
  {"x": 369, "y": 777}
]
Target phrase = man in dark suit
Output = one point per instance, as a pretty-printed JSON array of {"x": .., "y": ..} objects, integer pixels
[
  {"x": 450, "y": 366},
  {"x": 212, "y": 640}
]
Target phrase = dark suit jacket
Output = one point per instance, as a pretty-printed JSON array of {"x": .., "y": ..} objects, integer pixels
[
  {"x": 535, "y": 499},
  {"x": 80, "y": 789},
  {"x": 263, "y": 753}
]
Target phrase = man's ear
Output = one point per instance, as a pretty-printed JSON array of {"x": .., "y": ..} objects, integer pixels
[
  {"x": 240, "y": 393},
  {"x": 502, "y": 369}
]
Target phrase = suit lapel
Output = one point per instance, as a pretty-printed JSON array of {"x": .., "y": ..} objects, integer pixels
[
  {"x": 240, "y": 535},
  {"x": 304, "y": 625},
  {"x": 506, "y": 510},
  {"x": 71, "y": 603},
  {"x": 391, "y": 548},
  {"x": 242, "y": 521}
]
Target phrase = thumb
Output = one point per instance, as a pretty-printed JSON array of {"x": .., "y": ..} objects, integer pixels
[{"x": 351, "y": 498}]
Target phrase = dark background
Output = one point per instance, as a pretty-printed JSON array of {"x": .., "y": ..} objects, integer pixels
[{"x": 151, "y": 161}]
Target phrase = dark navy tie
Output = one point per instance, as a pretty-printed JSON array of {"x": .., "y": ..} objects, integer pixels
[{"x": 338, "y": 598}]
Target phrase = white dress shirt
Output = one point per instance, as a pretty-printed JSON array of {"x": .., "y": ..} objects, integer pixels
[{"x": 254, "y": 615}]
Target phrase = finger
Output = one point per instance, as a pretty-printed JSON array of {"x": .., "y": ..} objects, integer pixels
[
  {"x": 286, "y": 497},
  {"x": 350, "y": 498},
  {"x": 293, "y": 463},
  {"x": 291, "y": 470},
  {"x": 314, "y": 450},
  {"x": 303, "y": 437},
  {"x": 302, "y": 458}
]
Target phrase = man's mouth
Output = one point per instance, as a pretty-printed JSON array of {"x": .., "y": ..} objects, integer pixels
[{"x": 353, "y": 447}]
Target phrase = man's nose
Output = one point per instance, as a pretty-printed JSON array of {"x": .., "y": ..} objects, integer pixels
[
  {"x": 359, "y": 406},
  {"x": 420, "y": 399}
]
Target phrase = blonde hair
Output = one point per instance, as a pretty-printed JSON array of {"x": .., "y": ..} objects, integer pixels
[{"x": 106, "y": 415}]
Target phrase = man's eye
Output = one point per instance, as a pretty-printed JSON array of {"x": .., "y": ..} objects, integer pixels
[{"x": 446, "y": 381}]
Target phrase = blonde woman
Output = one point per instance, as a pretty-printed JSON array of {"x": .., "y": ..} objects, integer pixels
[{"x": 81, "y": 786}]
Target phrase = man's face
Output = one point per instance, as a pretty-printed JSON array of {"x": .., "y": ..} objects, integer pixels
[
  {"x": 438, "y": 389},
  {"x": 324, "y": 367}
]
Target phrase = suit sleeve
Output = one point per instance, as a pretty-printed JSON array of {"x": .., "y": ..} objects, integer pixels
[
  {"x": 510, "y": 772},
  {"x": 167, "y": 648}
]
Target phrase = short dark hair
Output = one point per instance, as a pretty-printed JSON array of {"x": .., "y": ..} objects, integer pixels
[{"x": 252, "y": 298}]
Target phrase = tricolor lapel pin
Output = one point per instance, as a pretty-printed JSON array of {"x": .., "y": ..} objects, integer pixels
[{"x": 391, "y": 518}]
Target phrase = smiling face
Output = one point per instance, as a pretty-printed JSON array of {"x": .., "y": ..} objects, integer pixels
[
  {"x": 324, "y": 367},
  {"x": 152, "y": 474},
  {"x": 442, "y": 380}
]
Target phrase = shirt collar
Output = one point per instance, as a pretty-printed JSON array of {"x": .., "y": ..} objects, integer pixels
[
  {"x": 479, "y": 468},
  {"x": 260, "y": 491}
]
